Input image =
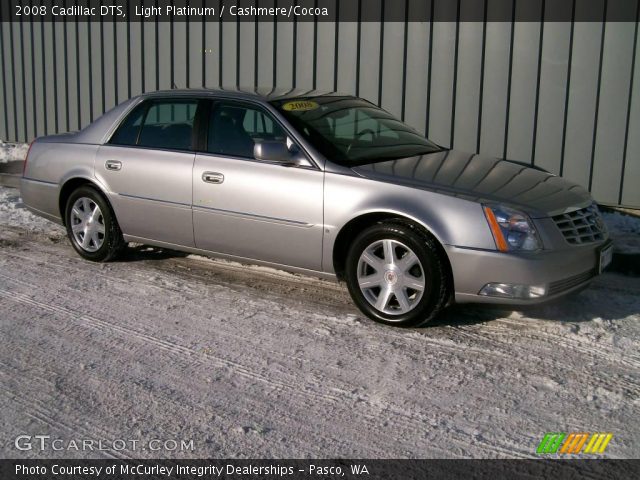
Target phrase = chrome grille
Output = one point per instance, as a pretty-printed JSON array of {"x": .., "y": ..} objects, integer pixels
[
  {"x": 567, "y": 283},
  {"x": 581, "y": 226}
]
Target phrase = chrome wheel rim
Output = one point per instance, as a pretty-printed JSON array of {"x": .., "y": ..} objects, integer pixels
[
  {"x": 87, "y": 224},
  {"x": 391, "y": 277}
]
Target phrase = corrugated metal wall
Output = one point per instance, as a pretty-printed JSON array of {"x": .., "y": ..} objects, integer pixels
[{"x": 560, "y": 95}]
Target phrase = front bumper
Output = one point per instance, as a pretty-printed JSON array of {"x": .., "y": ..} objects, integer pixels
[{"x": 560, "y": 271}]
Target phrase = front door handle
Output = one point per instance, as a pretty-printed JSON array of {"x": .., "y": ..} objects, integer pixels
[
  {"x": 212, "y": 177},
  {"x": 113, "y": 165}
]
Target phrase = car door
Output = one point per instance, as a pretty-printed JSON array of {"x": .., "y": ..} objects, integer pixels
[
  {"x": 268, "y": 211},
  {"x": 147, "y": 168}
]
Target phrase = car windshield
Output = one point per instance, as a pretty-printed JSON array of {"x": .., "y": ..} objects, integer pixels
[{"x": 352, "y": 131}]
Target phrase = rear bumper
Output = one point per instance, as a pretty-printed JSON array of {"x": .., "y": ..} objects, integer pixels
[
  {"x": 41, "y": 198},
  {"x": 560, "y": 272}
]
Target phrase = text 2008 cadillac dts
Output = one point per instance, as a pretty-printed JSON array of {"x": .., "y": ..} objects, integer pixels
[{"x": 324, "y": 184}]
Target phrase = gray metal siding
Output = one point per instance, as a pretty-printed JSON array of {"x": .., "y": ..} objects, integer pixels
[{"x": 560, "y": 95}]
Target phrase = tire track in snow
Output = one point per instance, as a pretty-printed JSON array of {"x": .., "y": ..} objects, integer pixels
[
  {"x": 401, "y": 419},
  {"x": 493, "y": 343},
  {"x": 37, "y": 409}
]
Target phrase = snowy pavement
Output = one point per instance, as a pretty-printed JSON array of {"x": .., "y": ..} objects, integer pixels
[
  {"x": 251, "y": 362},
  {"x": 10, "y": 152}
]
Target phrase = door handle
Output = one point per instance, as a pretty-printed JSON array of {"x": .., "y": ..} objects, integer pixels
[
  {"x": 113, "y": 165},
  {"x": 212, "y": 177}
]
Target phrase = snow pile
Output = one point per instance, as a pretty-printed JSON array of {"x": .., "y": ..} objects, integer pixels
[
  {"x": 10, "y": 152},
  {"x": 13, "y": 213},
  {"x": 624, "y": 230},
  {"x": 621, "y": 223}
]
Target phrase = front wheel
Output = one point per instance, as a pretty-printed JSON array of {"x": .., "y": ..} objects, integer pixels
[
  {"x": 92, "y": 226},
  {"x": 396, "y": 275}
]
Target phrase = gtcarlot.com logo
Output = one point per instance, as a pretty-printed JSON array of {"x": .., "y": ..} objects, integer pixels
[
  {"x": 45, "y": 442},
  {"x": 574, "y": 443}
]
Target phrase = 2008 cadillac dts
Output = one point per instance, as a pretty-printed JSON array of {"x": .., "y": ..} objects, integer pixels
[{"x": 324, "y": 184}]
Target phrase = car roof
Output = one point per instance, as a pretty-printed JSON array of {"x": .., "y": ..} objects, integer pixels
[
  {"x": 97, "y": 131},
  {"x": 247, "y": 93}
]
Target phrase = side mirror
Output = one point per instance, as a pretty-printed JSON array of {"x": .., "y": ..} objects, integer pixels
[{"x": 273, "y": 151}]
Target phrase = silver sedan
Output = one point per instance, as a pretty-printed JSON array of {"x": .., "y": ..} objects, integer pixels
[{"x": 323, "y": 184}]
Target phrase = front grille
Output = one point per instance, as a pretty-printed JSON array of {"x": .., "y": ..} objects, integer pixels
[
  {"x": 581, "y": 226},
  {"x": 568, "y": 283}
]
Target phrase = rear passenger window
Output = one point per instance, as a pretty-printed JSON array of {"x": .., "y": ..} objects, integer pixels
[
  {"x": 127, "y": 133},
  {"x": 168, "y": 125},
  {"x": 162, "y": 124}
]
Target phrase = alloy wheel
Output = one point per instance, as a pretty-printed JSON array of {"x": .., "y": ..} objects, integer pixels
[
  {"x": 391, "y": 277},
  {"x": 87, "y": 224}
]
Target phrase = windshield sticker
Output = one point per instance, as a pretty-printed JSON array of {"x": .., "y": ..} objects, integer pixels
[{"x": 300, "y": 106}]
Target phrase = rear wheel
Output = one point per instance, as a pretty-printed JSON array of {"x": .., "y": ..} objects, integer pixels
[
  {"x": 396, "y": 275},
  {"x": 92, "y": 226}
]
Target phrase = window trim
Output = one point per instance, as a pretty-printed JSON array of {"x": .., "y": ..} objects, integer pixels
[
  {"x": 146, "y": 105},
  {"x": 143, "y": 106}
]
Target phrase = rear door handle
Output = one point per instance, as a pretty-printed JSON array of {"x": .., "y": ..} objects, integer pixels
[
  {"x": 212, "y": 177},
  {"x": 113, "y": 165}
]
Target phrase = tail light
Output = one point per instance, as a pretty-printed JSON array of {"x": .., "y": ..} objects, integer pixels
[{"x": 24, "y": 165}]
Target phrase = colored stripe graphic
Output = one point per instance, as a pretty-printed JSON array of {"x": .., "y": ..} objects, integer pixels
[
  {"x": 598, "y": 443},
  {"x": 573, "y": 443},
  {"x": 578, "y": 445},
  {"x": 550, "y": 443}
]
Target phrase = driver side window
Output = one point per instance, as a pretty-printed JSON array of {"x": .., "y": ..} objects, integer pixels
[{"x": 235, "y": 128}]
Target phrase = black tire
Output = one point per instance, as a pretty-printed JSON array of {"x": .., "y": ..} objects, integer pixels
[
  {"x": 112, "y": 241},
  {"x": 434, "y": 274}
]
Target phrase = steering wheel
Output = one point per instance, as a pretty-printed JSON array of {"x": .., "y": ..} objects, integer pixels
[{"x": 360, "y": 134}]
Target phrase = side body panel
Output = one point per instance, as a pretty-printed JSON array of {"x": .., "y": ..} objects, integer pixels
[
  {"x": 150, "y": 193},
  {"x": 261, "y": 210},
  {"x": 452, "y": 220},
  {"x": 49, "y": 166}
]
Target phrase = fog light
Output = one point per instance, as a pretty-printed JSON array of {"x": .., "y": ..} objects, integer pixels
[{"x": 508, "y": 290}]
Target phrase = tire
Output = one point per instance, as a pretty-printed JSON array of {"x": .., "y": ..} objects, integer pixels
[
  {"x": 408, "y": 291},
  {"x": 94, "y": 234}
]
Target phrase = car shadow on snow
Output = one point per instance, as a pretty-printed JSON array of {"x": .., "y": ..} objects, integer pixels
[{"x": 140, "y": 253}]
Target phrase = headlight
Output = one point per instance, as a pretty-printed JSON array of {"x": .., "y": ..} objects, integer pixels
[{"x": 512, "y": 230}]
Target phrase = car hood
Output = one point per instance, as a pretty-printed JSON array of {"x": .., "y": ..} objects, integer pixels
[{"x": 482, "y": 179}]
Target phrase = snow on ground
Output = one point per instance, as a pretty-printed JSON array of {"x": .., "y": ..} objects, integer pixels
[
  {"x": 10, "y": 152},
  {"x": 13, "y": 213},
  {"x": 622, "y": 223},
  {"x": 624, "y": 230},
  {"x": 257, "y": 363}
]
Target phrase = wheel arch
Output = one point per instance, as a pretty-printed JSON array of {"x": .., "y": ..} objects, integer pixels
[
  {"x": 352, "y": 229},
  {"x": 72, "y": 184}
]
